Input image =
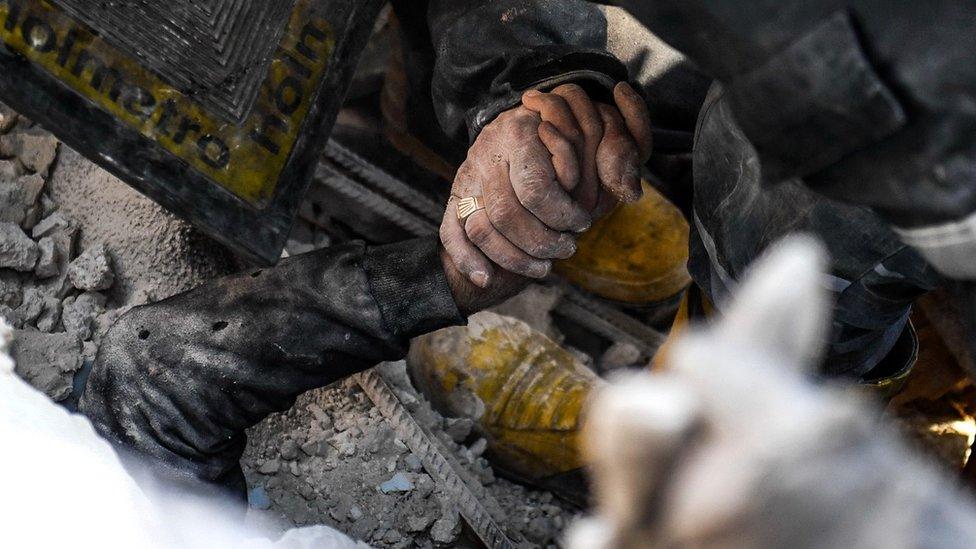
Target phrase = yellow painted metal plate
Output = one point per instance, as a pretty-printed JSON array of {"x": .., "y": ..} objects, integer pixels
[{"x": 238, "y": 177}]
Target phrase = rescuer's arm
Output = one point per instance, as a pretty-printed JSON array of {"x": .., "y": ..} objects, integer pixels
[
  {"x": 490, "y": 52},
  {"x": 543, "y": 164},
  {"x": 180, "y": 380}
]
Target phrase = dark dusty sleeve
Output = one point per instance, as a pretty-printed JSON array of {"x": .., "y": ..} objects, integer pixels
[
  {"x": 180, "y": 380},
  {"x": 489, "y": 52},
  {"x": 808, "y": 59}
]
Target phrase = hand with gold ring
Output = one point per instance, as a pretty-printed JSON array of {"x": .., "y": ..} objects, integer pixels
[
  {"x": 538, "y": 173},
  {"x": 511, "y": 203},
  {"x": 467, "y": 206}
]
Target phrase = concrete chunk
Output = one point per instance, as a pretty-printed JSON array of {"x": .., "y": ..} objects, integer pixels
[
  {"x": 35, "y": 148},
  {"x": 47, "y": 262},
  {"x": 31, "y": 307},
  {"x": 92, "y": 270},
  {"x": 78, "y": 314},
  {"x": 10, "y": 170},
  {"x": 63, "y": 237},
  {"x": 19, "y": 197},
  {"x": 447, "y": 528},
  {"x": 47, "y": 361},
  {"x": 17, "y": 250},
  {"x": 49, "y": 225},
  {"x": 10, "y": 288},
  {"x": 51, "y": 315}
]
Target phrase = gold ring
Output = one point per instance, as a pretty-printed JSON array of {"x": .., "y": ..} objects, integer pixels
[{"x": 467, "y": 206}]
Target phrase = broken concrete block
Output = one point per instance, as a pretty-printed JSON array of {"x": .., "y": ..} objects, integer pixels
[
  {"x": 289, "y": 450},
  {"x": 458, "y": 428},
  {"x": 31, "y": 307},
  {"x": 47, "y": 361},
  {"x": 8, "y": 118},
  {"x": 92, "y": 270},
  {"x": 478, "y": 448},
  {"x": 88, "y": 350},
  {"x": 10, "y": 170},
  {"x": 539, "y": 530},
  {"x": 10, "y": 289},
  {"x": 17, "y": 250},
  {"x": 48, "y": 205},
  {"x": 418, "y": 523},
  {"x": 270, "y": 467},
  {"x": 321, "y": 416},
  {"x": 412, "y": 463},
  {"x": 35, "y": 148},
  {"x": 18, "y": 198},
  {"x": 10, "y": 316},
  {"x": 78, "y": 313},
  {"x": 447, "y": 528},
  {"x": 63, "y": 235},
  {"x": 49, "y": 225},
  {"x": 47, "y": 261},
  {"x": 51, "y": 315}
]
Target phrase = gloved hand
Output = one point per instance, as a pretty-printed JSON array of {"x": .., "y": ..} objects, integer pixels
[{"x": 542, "y": 171}]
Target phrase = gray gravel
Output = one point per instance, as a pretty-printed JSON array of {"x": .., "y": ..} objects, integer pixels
[{"x": 333, "y": 459}]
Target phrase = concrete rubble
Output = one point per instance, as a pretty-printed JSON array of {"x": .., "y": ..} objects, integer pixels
[
  {"x": 35, "y": 148},
  {"x": 48, "y": 294},
  {"x": 19, "y": 199},
  {"x": 47, "y": 261},
  {"x": 17, "y": 250},
  {"x": 334, "y": 437},
  {"x": 92, "y": 270},
  {"x": 47, "y": 361}
]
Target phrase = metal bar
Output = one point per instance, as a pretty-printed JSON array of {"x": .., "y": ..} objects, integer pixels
[{"x": 434, "y": 459}]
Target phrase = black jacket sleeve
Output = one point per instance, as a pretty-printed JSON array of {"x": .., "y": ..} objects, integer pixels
[
  {"x": 180, "y": 380},
  {"x": 489, "y": 52}
]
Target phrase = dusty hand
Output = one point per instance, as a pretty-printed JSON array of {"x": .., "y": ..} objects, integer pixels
[
  {"x": 524, "y": 178},
  {"x": 612, "y": 142},
  {"x": 544, "y": 171}
]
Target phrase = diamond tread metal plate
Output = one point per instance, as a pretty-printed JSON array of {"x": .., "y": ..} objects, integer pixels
[
  {"x": 210, "y": 51},
  {"x": 218, "y": 110}
]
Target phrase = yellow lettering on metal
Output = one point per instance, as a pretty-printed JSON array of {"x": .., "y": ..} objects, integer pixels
[{"x": 245, "y": 159}]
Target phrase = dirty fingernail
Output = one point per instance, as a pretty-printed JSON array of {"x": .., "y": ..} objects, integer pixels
[
  {"x": 584, "y": 226},
  {"x": 541, "y": 270},
  {"x": 479, "y": 278},
  {"x": 567, "y": 245}
]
